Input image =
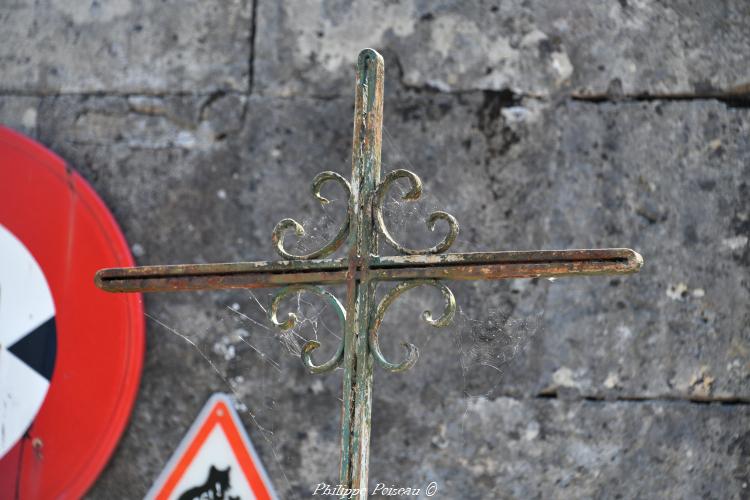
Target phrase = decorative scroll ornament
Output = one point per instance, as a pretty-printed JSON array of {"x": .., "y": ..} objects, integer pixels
[
  {"x": 412, "y": 353},
  {"x": 285, "y": 224},
  {"x": 413, "y": 194},
  {"x": 291, "y": 321}
]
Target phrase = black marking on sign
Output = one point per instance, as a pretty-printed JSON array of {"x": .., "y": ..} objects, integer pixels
[
  {"x": 38, "y": 348},
  {"x": 215, "y": 487}
]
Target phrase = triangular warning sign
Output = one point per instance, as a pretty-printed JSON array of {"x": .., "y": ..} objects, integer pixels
[{"x": 214, "y": 460}]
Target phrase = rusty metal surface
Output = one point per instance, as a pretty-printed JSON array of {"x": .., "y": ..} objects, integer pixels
[
  {"x": 451, "y": 266},
  {"x": 363, "y": 269},
  {"x": 358, "y": 362},
  {"x": 186, "y": 277}
]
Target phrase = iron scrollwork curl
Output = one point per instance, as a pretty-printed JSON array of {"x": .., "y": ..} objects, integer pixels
[
  {"x": 286, "y": 224},
  {"x": 291, "y": 320},
  {"x": 413, "y": 194},
  {"x": 412, "y": 353}
]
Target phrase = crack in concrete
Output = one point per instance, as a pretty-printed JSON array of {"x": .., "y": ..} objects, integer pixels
[
  {"x": 730, "y": 99},
  {"x": 430, "y": 89},
  {"x": 717, "y": 400},
  {"x": 123, "y": 94},
  {"x": 251, "y": 62}
]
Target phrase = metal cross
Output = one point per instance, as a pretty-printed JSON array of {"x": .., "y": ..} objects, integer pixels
[{"x": 363, "y": 269}]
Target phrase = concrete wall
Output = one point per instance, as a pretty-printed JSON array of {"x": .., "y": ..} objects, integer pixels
[{"x": 546, "y": 125}]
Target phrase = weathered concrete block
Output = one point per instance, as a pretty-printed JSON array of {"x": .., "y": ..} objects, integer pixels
[
  {"x": 124, "y": 46},
  {"x": 539, "y": 48},
  {"x": 670, "y": 179},
  {"x": 205, "y": 178},
  {"x": 509, "y": 448}
]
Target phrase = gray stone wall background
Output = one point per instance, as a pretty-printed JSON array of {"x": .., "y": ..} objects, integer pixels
[{"x": 537, "y": 124}]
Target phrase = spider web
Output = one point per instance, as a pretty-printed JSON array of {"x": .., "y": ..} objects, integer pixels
[{"x": 258, "y": 363}]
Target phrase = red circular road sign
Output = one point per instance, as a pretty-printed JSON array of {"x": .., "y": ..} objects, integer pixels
[{"x": 70, "y": 354}]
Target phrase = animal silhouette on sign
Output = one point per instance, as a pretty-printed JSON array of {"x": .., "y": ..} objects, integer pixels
[{"x": 215, "y": 487}]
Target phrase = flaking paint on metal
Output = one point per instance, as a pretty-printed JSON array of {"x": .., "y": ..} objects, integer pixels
[{"x": 363, "y": 269}]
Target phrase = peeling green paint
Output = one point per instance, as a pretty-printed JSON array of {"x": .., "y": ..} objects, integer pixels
[{"x": 363, "y": 269}]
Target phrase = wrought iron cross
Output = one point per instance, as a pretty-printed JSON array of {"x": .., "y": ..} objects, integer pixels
[{"x": 363, "y": 269}]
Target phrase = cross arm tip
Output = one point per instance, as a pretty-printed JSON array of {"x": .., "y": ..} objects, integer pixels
[
  {"x": 98, "y": 279},
  {"x": 104, "y": 279},
  {"x": 635, "y": 260}
]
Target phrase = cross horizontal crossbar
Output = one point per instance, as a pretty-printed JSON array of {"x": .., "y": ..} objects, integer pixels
[{"x": 449, "y": 266}]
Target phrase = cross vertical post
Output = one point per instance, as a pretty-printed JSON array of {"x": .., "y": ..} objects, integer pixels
[{"x": 358, "y": 363}]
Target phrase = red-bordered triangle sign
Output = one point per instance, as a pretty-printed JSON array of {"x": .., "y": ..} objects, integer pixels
[{"x": 215, "y": 460}]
